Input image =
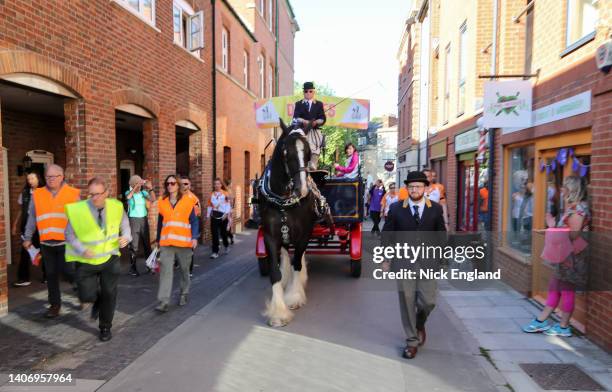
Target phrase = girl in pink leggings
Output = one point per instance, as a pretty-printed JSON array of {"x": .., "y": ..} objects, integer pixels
[{"x": 571, "y": 273}]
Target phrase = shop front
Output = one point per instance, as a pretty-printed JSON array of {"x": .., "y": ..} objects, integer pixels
[
  {"x": 534, "y": 171},
  {"x": 472, "y": 183}
]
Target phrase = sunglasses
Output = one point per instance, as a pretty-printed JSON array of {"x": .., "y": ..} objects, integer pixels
[
  {"x": 185, "y": 184},
  {"x": 309, "y": 91},
  {"x": 171, "y": 183}
]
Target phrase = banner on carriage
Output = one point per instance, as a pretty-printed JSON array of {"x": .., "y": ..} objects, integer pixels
[{"x": 340, "y": 112}]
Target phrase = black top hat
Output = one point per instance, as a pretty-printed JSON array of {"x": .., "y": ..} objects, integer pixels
[
  {"x": 416, "y": 176},
  {"x": 309, "y": 86}
]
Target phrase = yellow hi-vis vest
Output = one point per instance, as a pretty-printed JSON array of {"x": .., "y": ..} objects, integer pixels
[{"x": 104, "y": 243}]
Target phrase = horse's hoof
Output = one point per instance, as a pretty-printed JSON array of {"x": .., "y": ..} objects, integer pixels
[{"x": 277, "y": 323}]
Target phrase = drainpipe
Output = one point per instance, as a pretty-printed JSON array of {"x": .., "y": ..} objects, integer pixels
[
  {"x": 214, "y": 92},
  {"x": 275, "y": 58},
  {"x": 492, "y": 131}
]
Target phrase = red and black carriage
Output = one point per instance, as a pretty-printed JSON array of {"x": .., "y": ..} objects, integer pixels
[{"x": 345, "y": 199}]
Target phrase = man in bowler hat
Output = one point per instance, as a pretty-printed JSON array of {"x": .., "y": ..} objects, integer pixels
[
  {"x": 417, "y": 296},
  {"x": 310, "y": 111}
]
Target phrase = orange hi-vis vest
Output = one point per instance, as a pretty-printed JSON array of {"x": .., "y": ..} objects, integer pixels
[
  {"x": 51, "y": 219},
  {"x": 198, "y": 206},
  {"x": 176, "y": 229}
]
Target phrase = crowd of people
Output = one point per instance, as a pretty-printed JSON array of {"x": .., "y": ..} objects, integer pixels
[
  {"x": 81, "y": 239},
  {"x": 378, "y": 200}
]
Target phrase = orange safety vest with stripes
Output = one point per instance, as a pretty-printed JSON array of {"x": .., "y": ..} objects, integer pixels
[
  {"x": 176, "y": 229},
  {"x": 198, "y": 206},
  {"x": 51, "y": 219}
]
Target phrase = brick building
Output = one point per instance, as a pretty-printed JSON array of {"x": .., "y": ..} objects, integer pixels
[
  {"x": 254, "y": 60},
  {"x": 553, "y": 43},
  {"x": 110, "y": 88}
]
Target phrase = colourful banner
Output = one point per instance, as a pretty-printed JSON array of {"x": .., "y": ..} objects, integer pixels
[{"x": 340, "y": 112}]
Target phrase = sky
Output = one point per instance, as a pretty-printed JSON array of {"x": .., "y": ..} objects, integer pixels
[{"x": 351, "y": 46}]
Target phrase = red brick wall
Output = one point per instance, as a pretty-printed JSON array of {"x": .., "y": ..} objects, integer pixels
[
  {"x": 599, "y": 325},
  {"x": 115, "y": 58},
  {"x": 3, "y": 277}
]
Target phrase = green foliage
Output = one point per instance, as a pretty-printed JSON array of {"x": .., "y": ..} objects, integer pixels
[{"x": 335, "y": 137}]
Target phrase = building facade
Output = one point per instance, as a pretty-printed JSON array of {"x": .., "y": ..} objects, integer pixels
[
  {"x": 375, "y": 156},
  {"x": 552, "y": 43},
  {"x": 254, "y": 60}
]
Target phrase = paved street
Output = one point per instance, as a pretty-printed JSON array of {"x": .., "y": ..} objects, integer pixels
[{"x": 348, "y": 337}]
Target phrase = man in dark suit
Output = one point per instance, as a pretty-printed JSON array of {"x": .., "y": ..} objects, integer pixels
[
  {"x": 417, "y": 296},
  {"x": 310, "y": 111}
]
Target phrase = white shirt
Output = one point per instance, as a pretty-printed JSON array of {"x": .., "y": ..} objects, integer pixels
[
  {"x": 309, "y": 102},
  {"x": 421, "y": 205}
]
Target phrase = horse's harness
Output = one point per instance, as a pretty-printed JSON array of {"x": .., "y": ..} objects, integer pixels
[{"x": 278, "y": 201}]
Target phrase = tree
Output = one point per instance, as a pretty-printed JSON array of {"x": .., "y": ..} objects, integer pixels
[{"x": 335, "y": 137}]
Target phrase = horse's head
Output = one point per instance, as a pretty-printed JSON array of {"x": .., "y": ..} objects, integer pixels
[{"x": 295, "y": 154}]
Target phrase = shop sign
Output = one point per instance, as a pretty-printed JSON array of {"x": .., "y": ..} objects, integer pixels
[
  {"x": 389, "y": 166},
  {"x": 468, "y": 141},
  {"x": 507, "y": 104},
  {"x": 438, "y": 150},
  {"x": 569, "y": 107}
]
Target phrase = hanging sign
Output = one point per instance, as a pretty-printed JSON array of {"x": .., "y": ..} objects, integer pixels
[
  {"x": 389, "y": 166},
  {"x": 507, "y": 104},
  {"x": 340, "y": 112}
]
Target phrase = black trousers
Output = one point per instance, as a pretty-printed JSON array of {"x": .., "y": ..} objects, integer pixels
[
  {"x": 98, "y": 284},
  {"x": 376, "y": 219},
  {"x": 23, "y": 270},
  {"x": 55, "y": 264},
  {"x": 218, "y": 228}
]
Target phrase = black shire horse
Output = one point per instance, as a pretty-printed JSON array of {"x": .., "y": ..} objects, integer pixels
[{"x": 287, "y": 207}]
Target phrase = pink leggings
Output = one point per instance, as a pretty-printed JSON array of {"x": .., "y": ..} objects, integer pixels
[{"x": 560, "y": 290}]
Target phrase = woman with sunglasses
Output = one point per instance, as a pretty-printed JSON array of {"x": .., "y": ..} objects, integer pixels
[
  {"x": 178, "y": 230},
  {"x": 218, "y": 211}
]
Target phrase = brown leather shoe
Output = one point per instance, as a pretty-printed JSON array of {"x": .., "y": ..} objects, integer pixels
[
  {"x": 422, "y": 335},
  {"x": 53, "y": 311},
  {"x": 410, "y": 352}
]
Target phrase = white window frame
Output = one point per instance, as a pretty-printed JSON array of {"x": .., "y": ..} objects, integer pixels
[
  {"x": 225, "y": 49},
  {"x": 262, "y": 4},
  {"x": 462, "y": 71},
  {"x": 139, "y": 12},
  {"x": 571, "y": 9},
  {"x": 261, "y": 65},
  {"x": 447, "y": 83},
  {"x": 270, "y": 14},
  {"x": 270, "y": 81},
  {"x": 185, "y": 11},
  {"x": 245, "y": 69}
]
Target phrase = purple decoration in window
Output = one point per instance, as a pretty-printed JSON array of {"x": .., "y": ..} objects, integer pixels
[{"x": 562, "y": 156}]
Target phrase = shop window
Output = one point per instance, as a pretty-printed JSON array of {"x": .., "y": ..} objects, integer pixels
[
  {"x": 520, "y": 196},
  {"x": 555, "y": 173},
  {"x": 581, "y": 21}
]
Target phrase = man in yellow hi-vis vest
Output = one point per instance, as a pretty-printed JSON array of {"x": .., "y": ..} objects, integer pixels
[{"x": 97, "y": 228}]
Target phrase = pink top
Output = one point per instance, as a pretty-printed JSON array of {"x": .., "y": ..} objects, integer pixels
[{"x": 353, "y": 161}]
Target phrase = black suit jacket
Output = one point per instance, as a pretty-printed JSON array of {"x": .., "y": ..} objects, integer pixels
[
  {"x": 401, "y": 228},
  {"x": 316, "y": 111},
  {"x": 400, "y": 217}
]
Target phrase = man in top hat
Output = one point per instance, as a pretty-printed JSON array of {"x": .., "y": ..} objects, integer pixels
[
  {"x": 417, "y": 296},
  {"x": 310, "y": 111}
]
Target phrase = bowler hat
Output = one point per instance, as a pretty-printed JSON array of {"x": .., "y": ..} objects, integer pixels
[
  {"x": 309, "y": 86},
  {"x": 416, "y": 176}
]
